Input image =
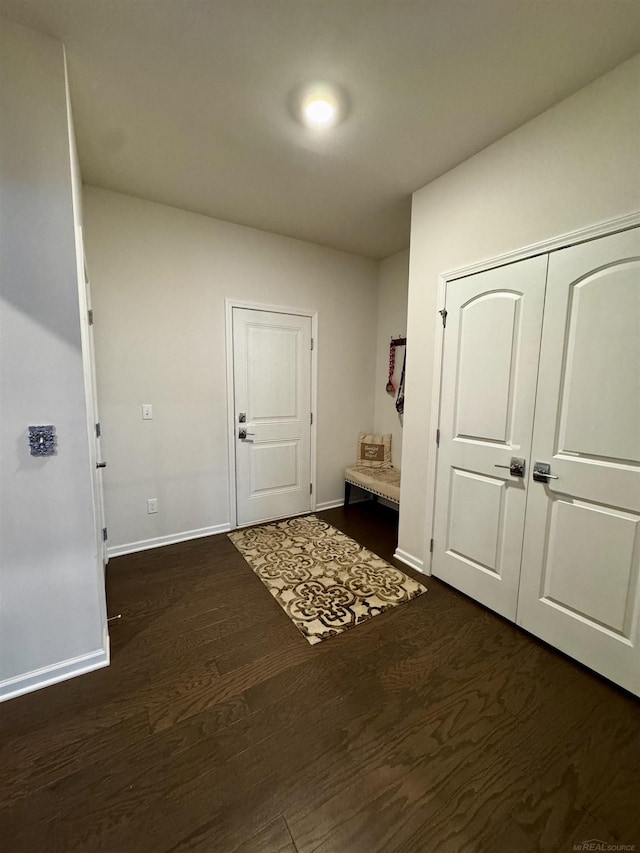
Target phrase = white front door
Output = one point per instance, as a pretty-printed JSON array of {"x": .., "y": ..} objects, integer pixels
[
  {"x": 581, "y": 557},
  {"x": 490, "y": 360},
  {"x": 272, "y": 419}
]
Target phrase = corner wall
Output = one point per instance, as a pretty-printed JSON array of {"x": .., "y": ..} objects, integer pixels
[
  {"x": 393, "y": 285},
  {"x": 159, "y": 280},
  {"x": 575, "y": 165},
  {"x": 52, "y": 618}
]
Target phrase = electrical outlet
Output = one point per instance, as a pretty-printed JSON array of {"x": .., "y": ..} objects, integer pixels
[
  {"x": 152, "y": 505},
  {"x": 147, "y": 412}
]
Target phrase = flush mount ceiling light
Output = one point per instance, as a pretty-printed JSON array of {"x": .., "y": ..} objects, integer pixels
[
  {"x": 319, "y": 112},
  {"x": 320, "y": 106}
]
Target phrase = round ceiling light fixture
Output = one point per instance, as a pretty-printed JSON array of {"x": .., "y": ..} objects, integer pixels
[
  {"x": 319, "y": 112},
  {"x": 320, "y": 106}
]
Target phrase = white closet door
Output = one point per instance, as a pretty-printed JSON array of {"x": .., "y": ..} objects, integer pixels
[
  {"x": 581, "y": 557},
  {"x": 491, "y": 349}
]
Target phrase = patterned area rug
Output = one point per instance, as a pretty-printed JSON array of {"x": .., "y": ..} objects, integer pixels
[{"x": 321, "y": 578}]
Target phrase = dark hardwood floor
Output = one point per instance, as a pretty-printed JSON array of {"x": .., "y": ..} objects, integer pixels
[{"x": 436, "y": 726}]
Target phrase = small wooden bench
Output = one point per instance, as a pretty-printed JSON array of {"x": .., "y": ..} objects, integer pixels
[{"x": 381, "y": 482}]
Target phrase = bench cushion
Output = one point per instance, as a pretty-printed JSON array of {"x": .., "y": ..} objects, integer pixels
[{"x": 384, "y": 482}]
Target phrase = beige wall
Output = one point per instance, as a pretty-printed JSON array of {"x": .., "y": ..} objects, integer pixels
[
  {"x": 393, "y": 285},
  {"x": 52, "y": 609},
  {"x": 159, "y": 280},
  {"x": 573, "y": 166}
]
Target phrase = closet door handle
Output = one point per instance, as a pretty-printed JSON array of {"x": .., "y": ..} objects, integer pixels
[{"x": 542, "y": 472}]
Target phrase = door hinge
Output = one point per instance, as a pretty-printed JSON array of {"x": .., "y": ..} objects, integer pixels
[
  {"x": 437, "y": 438},
  {"x": 311, "y": 343},
  {"x": 310, "y": 488},
  {"x": 311, "y": 421},
  {"x": 431, "y": 547},
  {"x": 90, "y": 316},
  {"x": 98, "y": 431},
  {"x": 104, "y": 534},
  {"x": 443, "y": 314}
]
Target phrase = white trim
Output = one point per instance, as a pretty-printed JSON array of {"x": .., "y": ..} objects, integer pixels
[
  {"x": 86, "y": 350},
  {"x": 172, "y": 539},
  {"x": 365, "y": 498},
  {"x": 432, "y": 458},
  {"x": 330, "y": 505},
  {"x": 39, "y": 678},
  {"x": 230, "y": 304},
  {"x": 314, "y": 409},
  {"x": 231, "y": 421},
  {"x": 340, "y": 502},
  {"x": 410, "y": 560},
  {"x": 582, "y": 235},
  {"x": 273, "y": 518},
  {"x": 271, "y": 309}
]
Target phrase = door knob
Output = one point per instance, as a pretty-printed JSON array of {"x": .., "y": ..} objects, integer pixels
[
  {"x": 101, "y": 464},
  {"x": 516, "y": 468},
  {"x": 242, "y": 433},
  {"x": 542, "y": 472}
]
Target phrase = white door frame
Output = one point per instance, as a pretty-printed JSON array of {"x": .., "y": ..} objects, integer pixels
[
  {"x": 90, "y": 395},
  {"x": 230, "y": 304},
  {"x": 593, "y": 232}
]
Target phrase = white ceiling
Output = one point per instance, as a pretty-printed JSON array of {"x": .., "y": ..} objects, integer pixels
[{"x": 186, "y": 102}]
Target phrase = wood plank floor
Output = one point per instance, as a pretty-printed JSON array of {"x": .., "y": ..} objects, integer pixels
[{"x": 436, "y": 726}]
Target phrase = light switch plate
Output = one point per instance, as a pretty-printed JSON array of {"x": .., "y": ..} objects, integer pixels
[{"x": 147, "y": 412}]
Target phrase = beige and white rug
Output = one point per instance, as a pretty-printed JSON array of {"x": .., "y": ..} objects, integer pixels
[{"x": 322, "y": 579}]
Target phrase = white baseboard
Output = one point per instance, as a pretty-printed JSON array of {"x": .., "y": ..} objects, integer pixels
[
  {"x": 329, "y": 505},
  {"x": 340, "y": 502},
  {"x": 410, "y": 560},
  {"x": 146, "y": 544},
  {"x": 39, "y": 678}
]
